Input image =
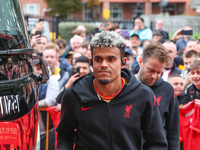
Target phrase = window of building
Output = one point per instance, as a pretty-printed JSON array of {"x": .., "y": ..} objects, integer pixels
[
  {"x": 87, "y": 12},
  {"x": 170, "y": 9},
  {"x": 138, "y": 10},
  {"x": 32, "y": 9},
  {"x": 116, "y": 11}
]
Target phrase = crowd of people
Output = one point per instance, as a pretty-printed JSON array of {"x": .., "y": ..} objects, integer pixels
[{"x": 120, "y": 91}]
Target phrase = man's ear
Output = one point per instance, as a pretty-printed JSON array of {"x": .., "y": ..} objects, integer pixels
[
  {"x": 124, "y": 60},
  {"x": 91, "y": 62},
  {"x": 140, "y": 61}
]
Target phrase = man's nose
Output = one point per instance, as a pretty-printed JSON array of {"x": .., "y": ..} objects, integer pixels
[{"x": 104, "y": 63}]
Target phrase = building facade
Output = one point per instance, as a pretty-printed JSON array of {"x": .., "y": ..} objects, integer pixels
[{"x": 119, "y": 9}]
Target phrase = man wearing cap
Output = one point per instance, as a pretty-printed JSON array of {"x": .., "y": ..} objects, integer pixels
[
  {"x": 135, "y": 41},
  {"x": 69, "y": 57},
  {"x": 130, "y": 59},
  {"x": 139, "y": 28}
]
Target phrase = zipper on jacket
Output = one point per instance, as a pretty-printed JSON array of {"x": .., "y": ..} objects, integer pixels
[{"x": 109, "y": 119}]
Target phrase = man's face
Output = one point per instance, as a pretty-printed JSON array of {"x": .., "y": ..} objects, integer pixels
[
  {"x": 150, "y": 70},
  {"x": 84, "y": 68},
  {"x": 50, "y": 56},
  {"x": 40, "y": 26},
  {"x": 195, "y": 77},
  {"x": 139, "y": 23},
  {"x": 76, "y": 44},
  {"x": 83, "y": 36},
  {"x": 177, "y": 84},
  {"x": 187, "y": 62},
  {"x": 159, "y": 25},
  {"x": 190, "y": 46},
  {"x": 135, "y": 41},
  {"x": 172, "y": 52},
  {"x": 41, "y": 44},
  {"x": 129, "y": 62},
  {"x": 156, "y": 38},
  {"x": 107, "y": 64},
  {"x": 75, "y": 56},
  {"x": 37, "y": 69},
  {"x": 84, "y": 51}
]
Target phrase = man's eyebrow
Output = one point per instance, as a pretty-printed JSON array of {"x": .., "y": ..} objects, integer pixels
[{"x": 106, "y": 56}]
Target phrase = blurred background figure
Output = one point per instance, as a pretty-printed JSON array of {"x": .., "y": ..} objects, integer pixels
[
  {"x": 157, "y": 36},
  {"x": 159, "y": 27},
  {"x": 139, "y": 28},
  {"x": 182, "y": 42},
  {"x": 62, "y": 47},
  {"x": 135, "y": 41},
  {"x": 129, "y": 55}
]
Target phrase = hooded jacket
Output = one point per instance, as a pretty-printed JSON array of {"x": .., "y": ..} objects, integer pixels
[
  {"x": 110, "y": 126},
  {"x": 168, "y": 106}
]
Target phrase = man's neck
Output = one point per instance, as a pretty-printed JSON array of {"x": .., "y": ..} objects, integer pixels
[
  {"x": 53, "y": 69},
  {"x": 135, "y": 48},
  {"x": 138, "y": 76},
  {"x": 186, "y": 38},
  {"x": 198, "y": 87},
  {"x": 169, "y": 66},
  {"x": 110, "y": 88}
]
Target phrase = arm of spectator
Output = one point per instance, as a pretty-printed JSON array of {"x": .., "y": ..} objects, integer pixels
[
  {"x": 35, "y": 39},
  {"x": 197, "y": 101},
  {"x": 42, "y": 104},
  {"x": 187, "y": 80},
  {"x": 177, "y": 35},
  {"x": 51, "y": 94},
  {"x": 57, "y": 108},
  {"x": 71, "y": 80}
]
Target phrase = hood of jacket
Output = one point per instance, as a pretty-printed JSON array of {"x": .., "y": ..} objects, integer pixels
[{"x": 84, "y": 86}]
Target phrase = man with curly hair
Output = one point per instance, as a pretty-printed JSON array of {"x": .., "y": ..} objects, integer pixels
[{"x": 109, "y": 108}]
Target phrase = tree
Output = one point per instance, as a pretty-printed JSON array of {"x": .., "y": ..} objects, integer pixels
[
  {"x": 93, "y": 5},
  {"x": 64, "y": 7}
]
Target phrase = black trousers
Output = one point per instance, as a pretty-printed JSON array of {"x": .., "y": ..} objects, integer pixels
[{"x": 51, "y": 141}]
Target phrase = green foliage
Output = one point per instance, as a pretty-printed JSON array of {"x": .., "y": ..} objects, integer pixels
[
  {"x": 92, "y": 3},
  {"x": 195, "y": 35},
  {"x": 65, "y": 28},
  {"x": 64, "y": 7}
]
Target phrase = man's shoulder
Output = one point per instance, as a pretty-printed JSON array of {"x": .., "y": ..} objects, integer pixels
[
  {"x": 179, "y": 41},
  {"x": 163, "y": 86},
  {"x": 176, "y": 70}
]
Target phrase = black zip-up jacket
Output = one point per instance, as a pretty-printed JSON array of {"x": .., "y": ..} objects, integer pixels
[
  {"x": 110, "y": 126},
  {"x": 191, "y": 93},
  {"x": 168, "y": 105}
]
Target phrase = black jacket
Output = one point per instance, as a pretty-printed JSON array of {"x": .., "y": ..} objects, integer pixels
[
  {"x": 168, "y": 106},
  {"x": 110, "y": 126},
  {"x": 175, "y": 69},
  {"x": 191, "y": 93}
]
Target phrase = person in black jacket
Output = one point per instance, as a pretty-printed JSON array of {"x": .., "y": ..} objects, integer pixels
[
  {"x": 153, "y": 60},
  {"x": 159, "y": 28},
  {"x": 192, "y": 91},
  {"x": 109, "y": 107}
]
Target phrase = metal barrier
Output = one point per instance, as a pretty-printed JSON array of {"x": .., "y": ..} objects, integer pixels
[{"x": 47, "y": 127}]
